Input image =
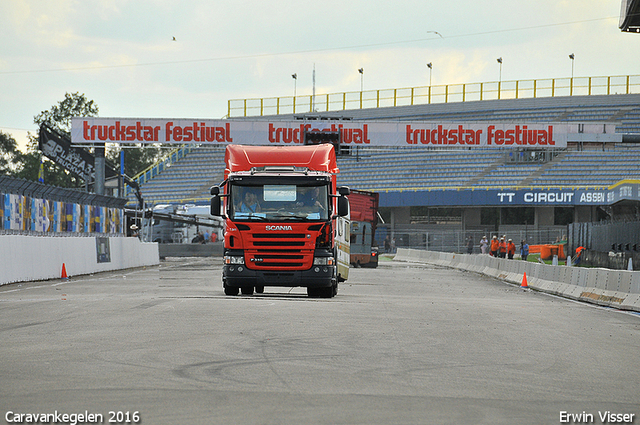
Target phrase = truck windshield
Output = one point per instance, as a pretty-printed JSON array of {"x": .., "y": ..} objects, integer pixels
[{"x": 279, "y": 202}]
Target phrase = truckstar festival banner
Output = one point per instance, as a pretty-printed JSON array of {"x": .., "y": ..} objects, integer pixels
[{"x": 372, "y": 133}]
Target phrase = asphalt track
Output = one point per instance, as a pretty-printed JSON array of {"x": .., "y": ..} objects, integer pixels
[{"x": 401, "y": 344}]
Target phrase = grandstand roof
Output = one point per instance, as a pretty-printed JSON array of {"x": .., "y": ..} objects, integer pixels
[{"x": 630, "y": 16}]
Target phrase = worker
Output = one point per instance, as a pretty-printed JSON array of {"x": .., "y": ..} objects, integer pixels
[
  {"x": 511, "y": 249},
  {"x": 579, "y": 252},
  {"x": 484, "y": 244},
  {"x": 524, "y": 250},
  {"x": 502, "y": 248},
  {"x": 495, "y": 245}
]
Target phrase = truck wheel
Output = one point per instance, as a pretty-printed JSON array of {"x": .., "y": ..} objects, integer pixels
[
  {"x": 326, "y": 292},
  {"x": 259, "y": 289},
  {"x": 335, "y": 289},
  {"x": 322, "y": 292},
  {"x": 231, "y": 290},
  {"x": 247, "y": 290}
]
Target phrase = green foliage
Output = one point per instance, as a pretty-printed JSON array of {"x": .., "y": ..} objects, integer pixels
[
  {"x": 8, "y": 153},
  {"x": 54, "y": 175},
  {"x": 136, "y": 158},
  {"x": 59, "y": 116}
]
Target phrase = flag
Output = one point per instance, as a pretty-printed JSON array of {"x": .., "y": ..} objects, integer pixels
[{"x": 41, "y": 172}]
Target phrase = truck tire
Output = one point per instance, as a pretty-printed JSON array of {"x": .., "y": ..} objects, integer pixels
[
  {"x": 231, "y": 290},
  {"x": 247, "y": 290},
  {"x": 327, "y": 292},
  {"x": 259, "y": 289}
]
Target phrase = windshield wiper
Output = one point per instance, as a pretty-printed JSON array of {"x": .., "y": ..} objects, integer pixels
[
  {"x": 292, "y": 216},
  {"x": 252, "y": 217}
]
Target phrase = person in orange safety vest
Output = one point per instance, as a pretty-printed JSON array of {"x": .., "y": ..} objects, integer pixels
[
  {"x": 502, "y": 248},
  {"x": 511, "y": 249},
  {"x": 495, "y": 245}
]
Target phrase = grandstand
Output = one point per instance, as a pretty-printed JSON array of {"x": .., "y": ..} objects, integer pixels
[
  {"x": 187, "y": 179},
  {"x": 439, "y": 197},
  {"x": 587, "y": 165}
]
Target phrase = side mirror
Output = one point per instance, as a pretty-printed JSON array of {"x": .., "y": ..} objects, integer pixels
[
  {"x": 215, "y": 190},
  {"x": 344, "y": 190},
  {"x": 343, "y": 206},
  {"x": 215, "y": 205}
]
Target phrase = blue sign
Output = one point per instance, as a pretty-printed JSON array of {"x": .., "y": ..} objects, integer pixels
[{"x": 624, "y": 190}]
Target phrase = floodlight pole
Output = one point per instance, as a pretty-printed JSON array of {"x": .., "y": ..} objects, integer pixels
[
  {"x": 295, "y": 84},
  {"x": 500, "y": 77},
  {"x": 573, "y": 60}
]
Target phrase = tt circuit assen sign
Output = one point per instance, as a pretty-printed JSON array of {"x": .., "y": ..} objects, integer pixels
[
  {"x": 372, "y": 133},
  {"x": 626, "y": 190}
]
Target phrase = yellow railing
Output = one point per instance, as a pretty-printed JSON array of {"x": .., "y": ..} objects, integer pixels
[{"x": 519, "y": 89}]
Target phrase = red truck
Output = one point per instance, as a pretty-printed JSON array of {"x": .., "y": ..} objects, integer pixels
[
  {"x": 364, "y": 219},
  {"x": 287, "y": 223}
]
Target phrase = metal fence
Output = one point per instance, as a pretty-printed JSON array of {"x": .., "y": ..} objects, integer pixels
[
  {"x": 34, "y": 189},
  {"x": 605, "y": 237},
  {"x": 517, "y": 89},
  {"x": 456, "y": 240},
  {"x": 36, "y": 209}
]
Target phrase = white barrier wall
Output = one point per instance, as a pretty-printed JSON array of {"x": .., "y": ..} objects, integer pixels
[
  {"x": 612, "y": 288},
  {"x": 29, "y": 258}
]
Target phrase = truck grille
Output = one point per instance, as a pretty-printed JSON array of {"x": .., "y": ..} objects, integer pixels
[
  {"x": 276, "y": 243},
  {"x": 271, "y": 251}
]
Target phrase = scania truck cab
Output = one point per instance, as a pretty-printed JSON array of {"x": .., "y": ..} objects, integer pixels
[{"x": 287, "y": 224}]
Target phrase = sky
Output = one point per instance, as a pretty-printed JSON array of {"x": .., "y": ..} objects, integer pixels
[{"x": 122, "y": 53}]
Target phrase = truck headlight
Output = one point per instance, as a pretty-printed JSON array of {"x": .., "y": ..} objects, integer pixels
[
  {"x": 233, "y": 259},
  {"x": 323, "y": 261}
]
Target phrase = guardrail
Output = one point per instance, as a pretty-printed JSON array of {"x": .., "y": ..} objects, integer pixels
[
  {"x": 618, "y": 289},
  {"x": 516, "y": 89}
]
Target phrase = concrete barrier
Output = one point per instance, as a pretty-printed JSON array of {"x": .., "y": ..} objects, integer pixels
[
  {"x": 213, "y": 249},
  {"x": 612, "y": 288},
  {"x": 30, "y": 258}
]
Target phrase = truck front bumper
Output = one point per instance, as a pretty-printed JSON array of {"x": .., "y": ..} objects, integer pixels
[{"x": 316, "y": 277}]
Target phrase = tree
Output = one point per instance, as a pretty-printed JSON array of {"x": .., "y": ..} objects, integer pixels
[
  {"x": 8, "y": 153},
  {"x": 58, "y": 118},
  {"x": 136, "y": 158}
]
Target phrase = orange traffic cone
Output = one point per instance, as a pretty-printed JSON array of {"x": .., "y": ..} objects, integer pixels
[
  {"x": 64, "y": 272},
  {"x": 524, "y": 281}
]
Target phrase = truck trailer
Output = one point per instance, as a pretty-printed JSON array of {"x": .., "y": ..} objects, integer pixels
[
  {"x": 364, "y": 220},
  {"x": 287, "y": 223}
]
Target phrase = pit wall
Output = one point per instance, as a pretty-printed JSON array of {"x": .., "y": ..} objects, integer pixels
[
  {"x": 29, "y": 258},
  {"x": 611, "y": 288}
]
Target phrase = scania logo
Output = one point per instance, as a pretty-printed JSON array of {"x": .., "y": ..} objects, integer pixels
[{"x": 278, "y": 228}]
